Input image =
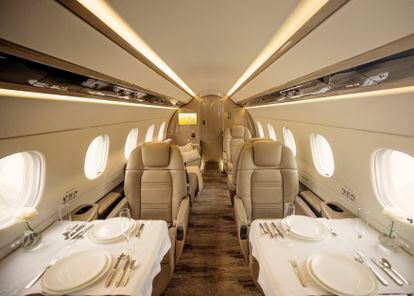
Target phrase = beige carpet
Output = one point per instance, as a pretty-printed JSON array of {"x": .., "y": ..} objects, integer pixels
[{"x": 211, "y": 263}]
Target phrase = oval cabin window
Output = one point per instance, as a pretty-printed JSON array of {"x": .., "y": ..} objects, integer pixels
[
  {"x": 20, "y": 178},
  {"x": 96, "y": 157},
  {"x": 131, "y": 142},
  {"x": 395, "y": 179},
  {"x": 161, "y": 132},
  {"x": 322, "y": 155},
  {"x": 289, "y": 140},
  {"x": 271, "y": 131},
  {"x": 150, "y": 133},
  {"x": 260, "y": 129}
]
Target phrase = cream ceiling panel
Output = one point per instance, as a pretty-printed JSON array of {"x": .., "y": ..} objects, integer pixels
[
  {"x": 48, "y": 27},
  {"x": 359, "y": 26},
  {"x": 209, "y": 44}
]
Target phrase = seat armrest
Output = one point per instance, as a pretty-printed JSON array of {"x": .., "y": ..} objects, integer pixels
[
  {"x": 241, "y": 218},
  {"x": 182, "y": 218},
  {"x": 225, "y": 157},
  {"x": 121, "y": 205}
]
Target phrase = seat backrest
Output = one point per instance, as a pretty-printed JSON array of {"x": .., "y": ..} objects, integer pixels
[
  {"x": 237, "y": 157},
  {"x": 155, "y": 181},
  {"x": 234, "y": 137},
  {"x": 267, "y": 177}
]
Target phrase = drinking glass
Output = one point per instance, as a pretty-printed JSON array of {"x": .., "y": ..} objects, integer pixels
[
  {"x": 65, "y": 219},
  {"x": 127, "y": 227},
  {"x": 362, "y": 222},
  {"x": 289, "y": 210}
]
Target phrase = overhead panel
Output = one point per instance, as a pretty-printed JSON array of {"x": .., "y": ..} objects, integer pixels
[
  {"x": 50, "y": 28},
  {"x": 209, "y": 44},
  {"x": 347, "y": 33}
]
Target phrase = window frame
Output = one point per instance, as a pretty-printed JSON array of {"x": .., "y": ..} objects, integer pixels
[
  {"x": 103, "y": 157},
  {"x": 383, "y": 186},
  {"x": 34, "y": 166},
  {"x": 260, "y": 129},
  {"x": 131, "y": 142},
  {"x": 271, "y": 128},
  {"x": 289, "y": 140},
  {"x": 161, "y": 132},
  {"x": 150, "y": 131},
  {"x": 321, "y": 165}
]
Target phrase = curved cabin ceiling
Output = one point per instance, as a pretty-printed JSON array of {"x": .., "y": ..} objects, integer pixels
[{"x": 207, "y": 46}]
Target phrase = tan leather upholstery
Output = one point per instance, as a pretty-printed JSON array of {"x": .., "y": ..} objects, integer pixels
[
  {"x": 267, "y": 177},
  {"x": 232, "y": 175},
  {"x": 233, "y": 138},
  {"x": 155, "y": 186}
]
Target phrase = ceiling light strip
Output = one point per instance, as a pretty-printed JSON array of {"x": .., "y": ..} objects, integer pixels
[
  {"x": 5, "y": 92},
  {"x": 308, "y": 15},
  {"x": 99, "y": 15}
]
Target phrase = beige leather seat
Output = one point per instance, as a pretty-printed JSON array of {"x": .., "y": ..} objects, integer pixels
[
  {"x": 155, "y": 186},
  {"x": 233, "y": 138},
  {"x": 267, "y": 177},
  {"x": 232, "y": 176}
]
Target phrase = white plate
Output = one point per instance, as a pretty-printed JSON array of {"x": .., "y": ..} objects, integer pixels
[
  {"x": 109, "y": 230},
  {"x": 341, "y": 275},
  {"x": 306, "y": 227},
  {"x": 75, "y": 272}
]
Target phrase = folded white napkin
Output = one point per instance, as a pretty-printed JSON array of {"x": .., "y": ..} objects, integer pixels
[
  {"x": 187, "y": 147},
  {"x": 190, "y": 155}
]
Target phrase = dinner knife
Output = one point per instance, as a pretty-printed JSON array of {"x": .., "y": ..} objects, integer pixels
[
  {"x": 268, "y": 229},
  {"x": 141, "y": 227},
  {"x": 121, "y": 275},
  {"x": 113, "y": 270},
  {"x": 389, "y": 273},
  {"x": 279, "y": 231},
  {"x": 274, "y": 226},
  {"x": 81, "y": 232},
  {"x": 128, "y": 273},
  {"x": 261, "y": 226}
]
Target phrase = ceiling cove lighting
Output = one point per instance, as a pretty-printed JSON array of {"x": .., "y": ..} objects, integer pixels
[
  {"x": 46, "y": 96},
  {"x": 106, "y": 14},
  {"x": 303, "y": 12},
  {"x": 384, "y": 92}
]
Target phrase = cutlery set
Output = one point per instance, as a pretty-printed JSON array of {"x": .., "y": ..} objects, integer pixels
[
  {"x": 77, "y": 231},
  {"x": 385, "y": 266},
  {"x": 267, "y": 230},
  {"x": 123, "y": 273}
]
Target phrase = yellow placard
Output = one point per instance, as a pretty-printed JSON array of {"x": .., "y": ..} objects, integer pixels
[{"x": 187, "y": 118}]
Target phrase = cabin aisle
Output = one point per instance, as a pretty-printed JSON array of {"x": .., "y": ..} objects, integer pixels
[{"x": 211, "y": 263}]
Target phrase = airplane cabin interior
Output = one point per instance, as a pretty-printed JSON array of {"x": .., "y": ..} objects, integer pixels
[{"x": 215, "y": 147}]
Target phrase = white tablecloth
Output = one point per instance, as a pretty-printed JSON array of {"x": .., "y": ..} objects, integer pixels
[
  {"x": 276, "y": 276},
  {"x": 17, "y": 269}
]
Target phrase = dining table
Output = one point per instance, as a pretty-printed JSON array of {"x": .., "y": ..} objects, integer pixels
[
  {"x": 21, "y": 266},
  {"x": 274, "y": 256}
]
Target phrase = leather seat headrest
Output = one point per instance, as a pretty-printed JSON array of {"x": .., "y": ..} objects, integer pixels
[
  {"x": 267, "y": 153},
  {"x": 156, "y": 154},
  {"x": 237, "y": 131}
]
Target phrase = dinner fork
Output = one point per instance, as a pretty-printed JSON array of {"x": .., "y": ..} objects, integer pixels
[
  {"x": 37, "y": 277},
  {"x": 298, "y": 273},
  {"x": 360, "y": 257}
]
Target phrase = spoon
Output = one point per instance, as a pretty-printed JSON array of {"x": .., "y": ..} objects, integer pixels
[{"x": 388, "y": 265}]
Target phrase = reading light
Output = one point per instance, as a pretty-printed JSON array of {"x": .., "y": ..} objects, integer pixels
[
  {"x": 390, "y": 91},
  {"x": 106, "y": 14},
  {"x": 45, "y": 96},
  {"x": 303, "y": 12}
]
